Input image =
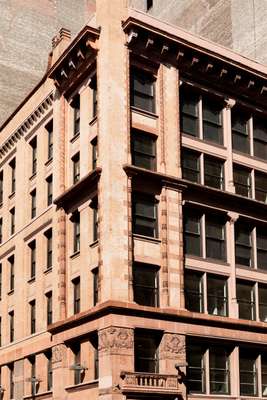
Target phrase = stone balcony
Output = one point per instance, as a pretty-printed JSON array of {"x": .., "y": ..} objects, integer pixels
[{"x": 143, "y": 382}]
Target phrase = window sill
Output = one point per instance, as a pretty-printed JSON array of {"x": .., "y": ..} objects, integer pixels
[
  {"x": 75, "y": 137},
  {"x": 38, "y": 395},
  {"x": 31, "y": 280},
  {"x": 93, "y": 120},
  {"x": 208, "y": 260},
  {"x": 49, "y": 161},
  {"x": 11, "y": 195},
  {"x": 146, "y": 238},
  {"x": 75, "y": 254},
  {"x": 47, "y": 270},
  {"x": 144, "y": 112},
  {"x": 84, "y": 385},
  {"x": 10, "y": 292},
  {"x": 198, "y": 139},
  {"x": 94, "y": 244},
  {"x": 31, "y": 178}
]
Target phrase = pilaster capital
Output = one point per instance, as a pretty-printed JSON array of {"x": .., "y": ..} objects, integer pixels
[
  {"x": 229, "y": 103},
  {"x": 233, "y": 217}
]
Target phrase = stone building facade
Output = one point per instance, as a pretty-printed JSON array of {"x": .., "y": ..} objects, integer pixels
[{"x": 135, "y": 266}]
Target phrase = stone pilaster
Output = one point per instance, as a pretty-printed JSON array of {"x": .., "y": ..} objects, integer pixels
[
  {"x": 60, "y": 370},
  {"x": 116, "y": 351},
  {"x": 233, "y": 306},
  {"x": 229, "y": 179}
]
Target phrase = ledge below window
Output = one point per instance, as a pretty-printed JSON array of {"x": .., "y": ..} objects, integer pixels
[
  {"x": 82, "y": 386},
  {"x": 43, "y": 395}
]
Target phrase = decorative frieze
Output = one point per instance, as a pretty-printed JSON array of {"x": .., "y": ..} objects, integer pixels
[
  {"x": 172, "y": 347},
  {"x": 116, "y": 340}
]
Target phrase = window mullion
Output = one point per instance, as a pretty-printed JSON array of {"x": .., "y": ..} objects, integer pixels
[
  {"x": 259, "y": 375},
  {"x": 254, "y": 247},
  {"x": 200, "y": 118},
  {"x": 207, "y": 370},
  {"x": 250, "y": 132},
  {"x": 202, "y": 169},
  {"x": 256, "y": 299},
  {"x": 203, "y": 234},
  {"x": 205, "y": 292},
  {"x": 252, "y": 183}
]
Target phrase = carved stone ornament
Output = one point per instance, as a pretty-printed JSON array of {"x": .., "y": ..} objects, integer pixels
[
  {"x": 58, "y": 353},
  {"x": 115, "y": 339},
  {"x": 173, "y": 346}
]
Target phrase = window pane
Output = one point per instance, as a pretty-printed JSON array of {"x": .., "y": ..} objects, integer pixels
[
  {"x": 240, "y": 135},
  {"x": 248, "y": 374},
  {"x": 215, "y": 242},
  {"x": 261, "y": 248},
  {"x": 145, "y": 216},
  {"x": 260, "y": 187},
  {"x": 145, "y": 350},
  {"x": 144, "y": 151},
  {"x": 213, "y": 173},
  {"x": 246, "y": 300},
  {"x": 217, "y": 295},
  {"x": 260, "y": 138},
  {"x": 145, "y": 285},
  {"x": 194, "y": 291},
  {"x": 243, "y": 246},
  {"x": 189, "y": 113},
  {"x": 142, "y": 90},
  {"x": 263, "y": 302},
  {"x": 190, "y": 166},
  {"x": 264, "y": 373},
  {"x": 195, "y": 370},
  {"x": 212, "y": 124},
  {"x": 192, "y": 233},
  {"x": 242, "y": 181},
  {"x": 219, "y": 371}
]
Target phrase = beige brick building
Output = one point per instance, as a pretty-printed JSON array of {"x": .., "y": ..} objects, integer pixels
[{"x": 133, "y": 187}]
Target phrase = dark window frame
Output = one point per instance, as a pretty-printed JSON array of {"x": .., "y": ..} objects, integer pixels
[
  {"x": 147, "y": 222},
  {"x": 147, "y": 90}
]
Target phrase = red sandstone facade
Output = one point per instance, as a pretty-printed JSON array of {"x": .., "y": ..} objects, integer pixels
[{"x": 133, "y": 219}]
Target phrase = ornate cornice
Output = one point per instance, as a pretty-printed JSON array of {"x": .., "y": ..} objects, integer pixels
[
  {"x": 196, "y": 58},
  {"x": 29, "y": 123}
]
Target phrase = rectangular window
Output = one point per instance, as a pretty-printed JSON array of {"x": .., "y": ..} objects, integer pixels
[
  {"x": 32, "y": 247},
  {"x": 264, "y": 374},
  {"x": 95, "y": 286},
  {"x": 33, "y": 203},
  {"x": 240, "y": 131},
  {"x": 49, "y": 248},
  {"x": 76, "y": 115},
  {"x": 33, "y": 316},
  {"x": 146, "y": 351},
  {"x": 145, "y": 215},
  {"x": 93, "y": 86},
  {"x": 149, "y": 4},
  {"x": 192, "y": 236},
  {"x": 76, "y": 295},
  {"x": 11, "y": 380},
  {"x": 11, "y": 326},
  {"x": 76, "y": 167},
  {"x": 11, "y": 261},
  {"x": 261, "y": 187},
  {"x": 76, "y": 349},
  {"x": 1, "y": 230},
  {"x": 33, "y": 145},
  {"x": 243, "y": 244},
  {"x": 246, "y": 300},
  {"x": 49, "y": 308},
  {"x": 142, "y": 90},
  {"x": 143, "y": 151},
  {"x": 49, "y": 183},
  {"x": 261, "y": 237},
  {"x": 215, "y": 238},
  {"x": 1, "y": 186},
  {"x": 213, "y": 172},
  {"x": 49, "y": 370},
  {"x": 12, "y": 165},
  {"x": 260, "y": 138},
  {"x": 219, "y": 370},
  {"x": 49, "y": 129},
  {"x": 12, "y": 221},
  {"x": 248, "y": 376},
  {"x": 145, "y": 285},
  {"x": 94, "y": 207},
  {"x": 242, "y": 181},
  {"x": 76, "y": 231},
  {"x": 34, "y": 381},
  {"x": 189, "y": 112},
  {"x": 194, "y": 298},
  {"x": 212, "y": 120},
  {"x": 196, "y": 369},
  {"x": 263, "y": 302},
  {"x": 217, "y": 295},
  {"x": 94, "y": 153},
  {"x": 191, "y": 165}
]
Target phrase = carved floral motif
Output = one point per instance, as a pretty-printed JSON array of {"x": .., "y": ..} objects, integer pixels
[
  {"x": 173, "y": 346},
  {"x": 114, "y": 339}
]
